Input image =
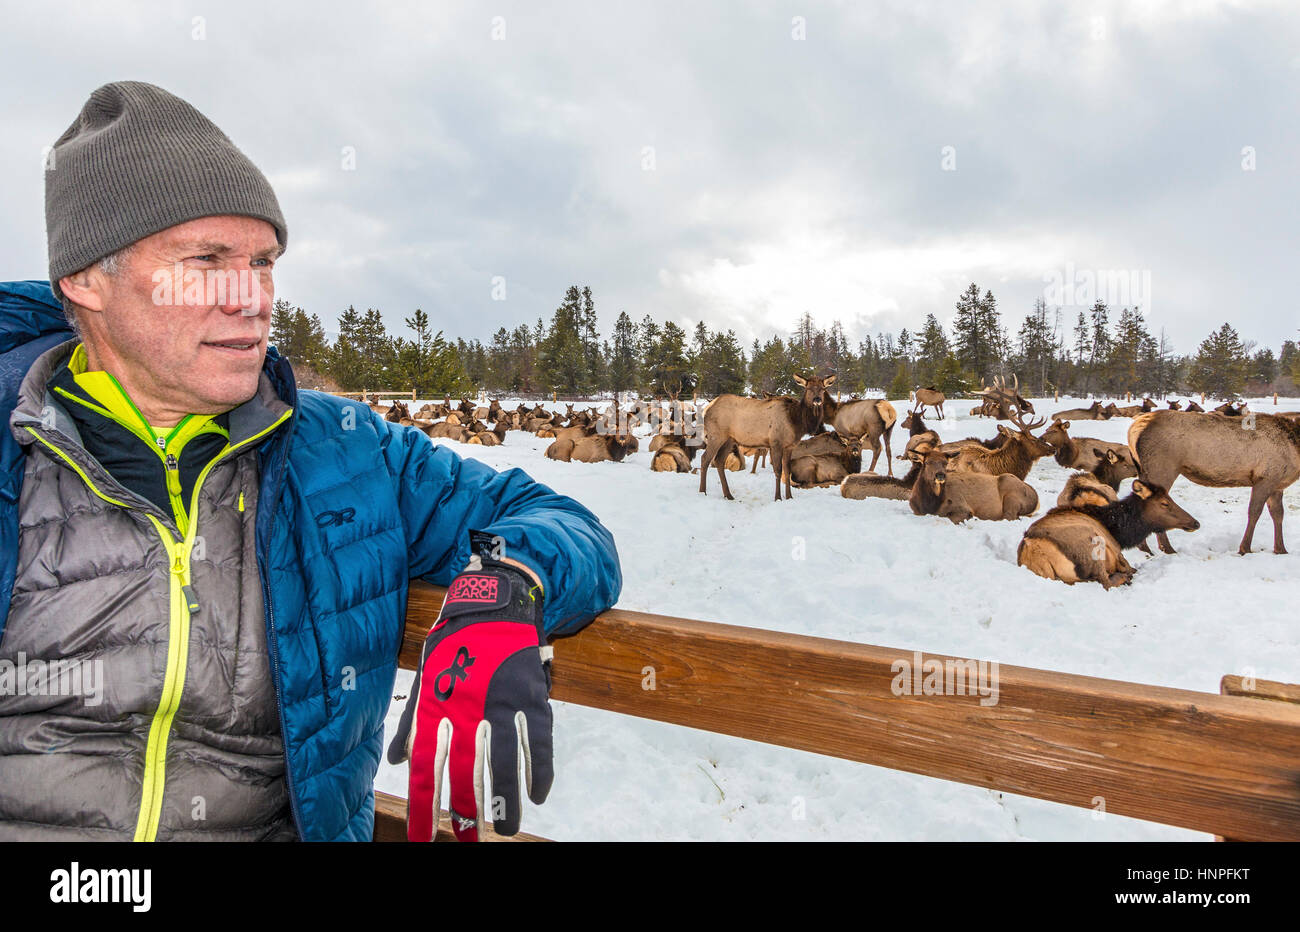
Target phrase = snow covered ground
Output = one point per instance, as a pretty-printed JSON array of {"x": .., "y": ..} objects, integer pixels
[{"x": 875, "y": 573}]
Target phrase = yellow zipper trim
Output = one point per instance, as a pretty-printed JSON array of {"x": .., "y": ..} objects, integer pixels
[
  {"x": 178, "y": 634},
  {"x": 156, "y": 751},
  {"x": 180, "y": 434}
]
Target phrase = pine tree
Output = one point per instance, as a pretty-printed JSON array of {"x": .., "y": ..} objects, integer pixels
[
  {"x": 932, "y": 352},
  {"x": 623, "y": 370},
  {"x": 1219, "y": 368}
]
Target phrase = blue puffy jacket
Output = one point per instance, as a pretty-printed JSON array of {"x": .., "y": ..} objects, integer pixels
[{"x": 336, "y": 606}]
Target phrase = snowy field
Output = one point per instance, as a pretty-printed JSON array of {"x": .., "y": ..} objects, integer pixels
[{"x": 876, "y": 574}]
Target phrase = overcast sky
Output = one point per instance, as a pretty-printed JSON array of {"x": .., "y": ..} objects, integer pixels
[{"x": 736, "y": 163}]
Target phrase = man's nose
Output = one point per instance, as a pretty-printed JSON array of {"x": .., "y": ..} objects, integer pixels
[{"x": 249, "y": 292}]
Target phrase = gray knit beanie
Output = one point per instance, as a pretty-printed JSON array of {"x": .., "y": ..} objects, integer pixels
[{"x": 138, "y": 160}]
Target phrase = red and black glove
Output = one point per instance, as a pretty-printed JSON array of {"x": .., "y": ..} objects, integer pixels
[{"x": 481, "y": 695}]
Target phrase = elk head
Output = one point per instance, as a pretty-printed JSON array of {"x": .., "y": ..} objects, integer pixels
[
  {"x": 814, "y": 390},
  {"x": 1160, "y": 511}
]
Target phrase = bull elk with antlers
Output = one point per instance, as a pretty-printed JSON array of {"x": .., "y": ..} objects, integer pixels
[
  {"x": 1017, "y": 455},
  {"x": 1000, "y": 401}
]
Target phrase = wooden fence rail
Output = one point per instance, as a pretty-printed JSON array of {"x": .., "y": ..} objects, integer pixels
[{"x": 1224, "y": 764}]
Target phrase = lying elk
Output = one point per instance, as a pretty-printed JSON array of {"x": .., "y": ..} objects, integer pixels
[
  {"x": 869, "y": 485},
  {"x": 1084, "y": 488},
  {"x": 1134, "y": 410},
  {"x": 1090, "y": 413},
  {"x": 777, "y": 423},
  {"x": 1086, "y": 542},
  {"x": 1177, "y": 405},
  {"x": 671, "y": 454},
  {"x": 826, "y": 459},
  {"x": 1193, "y": 407},
  {"x": 1261, "y": 451},
  {"x": 1232, "y": 409},
  {"x": 1016, "y": 456},
  {"x": 1086, "y": 452},
  {"x": 929, "y": 397},
  {"x": 961, "y": 495},
  {"x": 597, "y": 448},
  {"x": 871, "y": 419}
]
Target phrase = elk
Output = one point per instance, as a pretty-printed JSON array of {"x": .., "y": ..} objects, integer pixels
[
  {"x": 1016, "y": 456},
  {"x": 869, "y": 485},
  {"x": 1232, "y": 409},
  {"x": 597, "y": 448},
  {"x": 397, "y": 412},
  {"x": 1193, "y": 407},
  {"x": 826, "y": 459},
  {"x": 777, "y": 423},
  {"x": 1085, "y": 452},
  {"x": 489, "y": 438},
  {"x": 958, "y": 496},
  {"x": 447, "y": 430},
  {"x": 929, "y": 397},
  {"x": 871, "y": 419},
  {"x": 1175, "y": 405},
  {"x": 1084, "y": 488},
  {"x": 1091, "y": 413},
  {"x": 1000, "y": 401},
  {"x": 1261, "y": 451},
  {"x": 1134, "y": 410},
  {"x": 1086, "y": 542}
]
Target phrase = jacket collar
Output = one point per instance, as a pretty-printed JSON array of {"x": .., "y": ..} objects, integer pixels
[{"x": 38, "y": 405}]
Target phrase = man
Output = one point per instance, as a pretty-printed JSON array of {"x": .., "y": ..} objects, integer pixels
[{"x": 203, "y": 571}]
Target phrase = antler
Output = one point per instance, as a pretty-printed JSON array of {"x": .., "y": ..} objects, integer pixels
[{"x": 1026, "y": 428}]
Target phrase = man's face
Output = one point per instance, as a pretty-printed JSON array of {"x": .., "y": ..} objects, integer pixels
[{"x": 165, "y": 330}]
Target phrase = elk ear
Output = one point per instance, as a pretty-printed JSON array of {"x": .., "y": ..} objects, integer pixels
[
  {"x": 829, "y": 381},
  {"x": 1065, "y": 425},
  {"x": 800, "y": 380},
  {"x": 1141, "y": 489},
  {"x": 1112, "y": 457}
]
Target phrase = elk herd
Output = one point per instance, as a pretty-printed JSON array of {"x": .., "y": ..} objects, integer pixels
[{"x": 811, "y": 439}]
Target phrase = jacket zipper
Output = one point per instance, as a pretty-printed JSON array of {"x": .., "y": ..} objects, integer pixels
[{"x": 182, "y": 600}]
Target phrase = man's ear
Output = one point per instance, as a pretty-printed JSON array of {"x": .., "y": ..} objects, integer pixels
[{"x": 85, "y": 288}]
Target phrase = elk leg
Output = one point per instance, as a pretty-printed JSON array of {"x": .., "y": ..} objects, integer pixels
[
  {"x": 1145, "y": 548},
  {"x": 786, "y": 454},
  {"x": 889, "y": 454},
  {"x": 776, "y": 456},
  {"x": 720, "y": 461},
  {"x": 1275, "y": 509},
  {"x": 753, "y": 470},
  {"x": 875, "y": 454},
  {"x": 709, "y": 452},
  {"x": 1258, "y": 495}
]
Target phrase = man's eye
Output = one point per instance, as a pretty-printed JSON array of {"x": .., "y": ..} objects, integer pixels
[{"x": 206, "y": 258}]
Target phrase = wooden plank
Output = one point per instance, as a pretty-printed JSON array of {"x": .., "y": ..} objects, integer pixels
[
  {"x": 1232, "y": 685},
  {"x": 1259, "y": 689},
  {"x": 1218, "y": 764},
  {"x": 390, "y": 823}
]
